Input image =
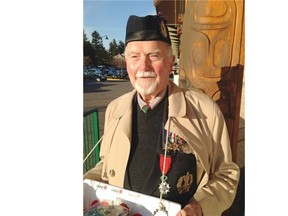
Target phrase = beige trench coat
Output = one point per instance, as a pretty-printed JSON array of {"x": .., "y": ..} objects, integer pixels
[{"x": 196, "y": 118}]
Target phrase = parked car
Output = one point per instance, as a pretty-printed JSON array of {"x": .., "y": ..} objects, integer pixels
[
  {"x": 94, "y": 75},
  {"x": 109, "y": 71},
  {"x": 116, "y": 74}
]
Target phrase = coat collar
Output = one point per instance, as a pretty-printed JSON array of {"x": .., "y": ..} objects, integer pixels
[
  {"x": 177, "y": 103},
  {"x": 124, "y": 105}
]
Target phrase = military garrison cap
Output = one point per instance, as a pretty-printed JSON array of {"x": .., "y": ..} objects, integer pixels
[{"x": 148, "y": 28}]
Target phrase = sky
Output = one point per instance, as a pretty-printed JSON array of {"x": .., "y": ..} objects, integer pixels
[{"x": 110, "y": 17}]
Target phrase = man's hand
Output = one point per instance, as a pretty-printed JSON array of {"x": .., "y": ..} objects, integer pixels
[{"x": 191, "y": 209}]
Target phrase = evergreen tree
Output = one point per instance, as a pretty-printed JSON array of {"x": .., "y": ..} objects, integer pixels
[
  {"x": 101, "y": 55},
  {"x": 88, "y": 52},
  {"x": 113, "y": 48},
  {"x": 121, "y": 47},
  {"x": 94, "y": 52}
]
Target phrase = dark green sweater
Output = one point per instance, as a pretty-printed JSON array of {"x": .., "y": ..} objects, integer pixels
[{"x": 146, "y": 134}]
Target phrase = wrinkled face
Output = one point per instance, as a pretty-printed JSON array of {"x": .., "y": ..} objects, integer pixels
[{"x": 149, "y": 64}]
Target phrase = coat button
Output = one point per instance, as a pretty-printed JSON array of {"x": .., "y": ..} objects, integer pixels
[{"x": 112, "y": 173}]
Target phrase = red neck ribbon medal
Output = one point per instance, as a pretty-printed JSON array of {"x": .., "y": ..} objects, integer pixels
[{"x": 165, "y": 165}]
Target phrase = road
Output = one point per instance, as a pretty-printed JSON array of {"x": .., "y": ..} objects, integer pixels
[{"x": 99, "y": 94}]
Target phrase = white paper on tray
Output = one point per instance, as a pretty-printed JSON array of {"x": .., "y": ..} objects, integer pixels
[{"x": 137, "y": 202}]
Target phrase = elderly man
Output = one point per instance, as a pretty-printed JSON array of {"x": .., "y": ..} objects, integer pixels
[{"x": 162, "y": 140}]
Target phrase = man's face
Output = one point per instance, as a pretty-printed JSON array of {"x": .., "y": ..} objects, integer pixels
[{"x": 149, "y": 64}]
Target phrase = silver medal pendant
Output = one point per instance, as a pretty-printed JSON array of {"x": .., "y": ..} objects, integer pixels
[{"x": 164, "y": 186}]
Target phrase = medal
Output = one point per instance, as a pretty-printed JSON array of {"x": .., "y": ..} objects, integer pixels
[{"x": 165, "y": 165}]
